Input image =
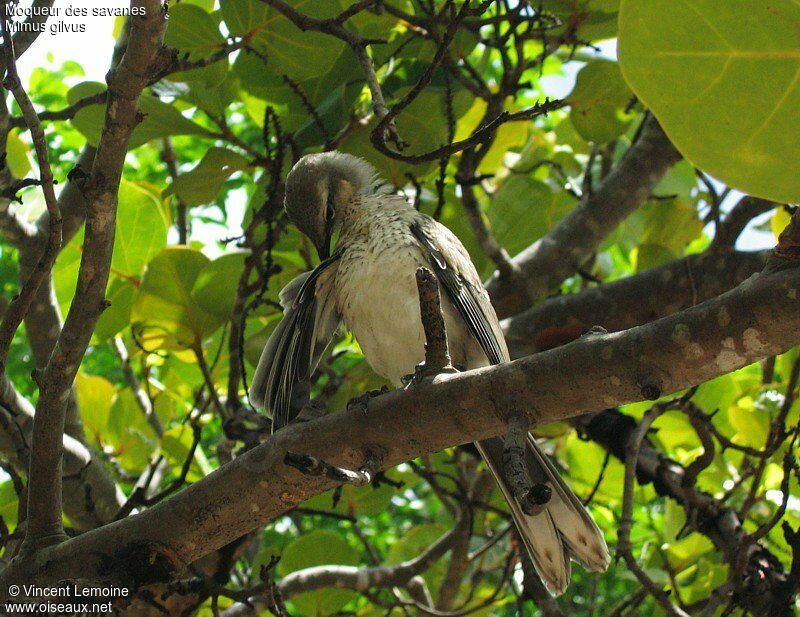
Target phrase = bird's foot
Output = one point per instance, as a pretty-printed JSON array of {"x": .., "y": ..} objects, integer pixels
[
  {"x": 361, "y": 402},
  {"x": 422, "y": 373}
]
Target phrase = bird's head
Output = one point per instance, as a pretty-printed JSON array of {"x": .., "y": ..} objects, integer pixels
[{"x": 320, "y": 185}]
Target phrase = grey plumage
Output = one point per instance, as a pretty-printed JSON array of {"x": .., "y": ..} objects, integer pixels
[{"x": 369, "y": 284}]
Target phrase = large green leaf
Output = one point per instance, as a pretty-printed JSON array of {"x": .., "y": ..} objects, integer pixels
[
  {"x": 18, "y": 155},
  {"x": 129, "y": 433},
  {"x": 213, "y": 99},
  {"x": 287, "y": 49},
  {"x": 599, "y": 101},
  {"x": 723, "y": 78},
  {"x": 95, "y": 395},
  {"x": 9, "y": 503},
  {"x": 193, "y": 31},
  {"x": 164, "y": 314},
  {"x": 160, "y": 119},
  {"x": 216, "y": 286},
  {"x": 244, "y": 17},
  {"x": 117, "y": 317},
  {"x": 315, "y": 549},
  {"x": 202, "y": 184},
  {"x": 524, "y": 209},
  {"x": 141, "y": 228}
]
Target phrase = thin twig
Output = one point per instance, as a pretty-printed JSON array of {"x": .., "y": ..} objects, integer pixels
[{"x": 22, "y": 301}]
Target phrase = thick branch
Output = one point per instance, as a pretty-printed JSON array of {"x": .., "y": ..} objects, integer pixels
[
  {"x": 569, "y": 244},
  {"x": 761, "y": 318},
  {"x": 126, "y": 82},
  {"x": 631, "y": 301}
]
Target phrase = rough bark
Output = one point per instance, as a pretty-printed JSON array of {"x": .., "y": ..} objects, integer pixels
[{"x": 631, "y": 301}]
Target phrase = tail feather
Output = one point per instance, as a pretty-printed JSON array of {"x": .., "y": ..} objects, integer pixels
[
  {"x": 576, "y": 526},
  {"x": 562, "y": 530},
  {"x": 539, "y": 533}
]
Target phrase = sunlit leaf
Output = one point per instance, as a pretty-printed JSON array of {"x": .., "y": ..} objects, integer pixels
[{"x": 724, "y": 81}]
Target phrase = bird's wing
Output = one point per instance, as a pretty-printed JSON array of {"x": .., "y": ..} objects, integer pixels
[
  {"x": 456, "y": 273},
  {"x": 281, "y": 383}
]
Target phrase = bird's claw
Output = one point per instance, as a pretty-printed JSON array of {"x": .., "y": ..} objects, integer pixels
[
  {"x": 360, "y": 402},
  {"x": 422, "y": 373}
]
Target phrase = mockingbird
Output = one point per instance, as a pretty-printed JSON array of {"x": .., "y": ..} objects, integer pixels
[{"x": 369, "y": 283}]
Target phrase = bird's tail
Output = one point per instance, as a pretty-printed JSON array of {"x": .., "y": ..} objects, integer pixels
[{"x": 563, "y": 530}]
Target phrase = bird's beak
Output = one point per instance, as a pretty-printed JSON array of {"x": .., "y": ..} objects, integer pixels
[{"x": 323, "y": 246}]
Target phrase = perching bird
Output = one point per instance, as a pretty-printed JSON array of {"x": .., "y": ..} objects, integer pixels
[{"x": 369, "y": 283}]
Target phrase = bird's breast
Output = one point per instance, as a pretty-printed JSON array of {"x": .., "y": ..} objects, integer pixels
[{"x": 377, "y": 297}]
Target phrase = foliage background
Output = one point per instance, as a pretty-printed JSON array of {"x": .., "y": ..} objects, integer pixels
[{"x": 236, "y": 126}]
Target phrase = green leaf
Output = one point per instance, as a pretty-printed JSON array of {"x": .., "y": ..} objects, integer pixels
[
  {"x": 160, "y": 119},
  {"x": 129, "y": 433},
  {"x": 141, "y": 229},
  {"x": 117, "y": 316},
  {"x": 9, "y": 503},
  {"x": 315, "y": 549},
  {"x": 750, "y": 423},
  {"x": 779, "y": 221},
  {"x": 598, "y": 102},
  {"x": 176, "y": 444},
  {"x": 95, "y": 395},
  {"x": 18, "y": 155},
  {"x": 244, "y": 17},
  {"x": 289, "y": 50},
  {"x": 355, "y": 500},
  {"x": 524, "y": 209},
  {"x": 202, "y": 184},
  {"x": 723, "y": 78},
  {"x": 215, "y": 99},
  {"x": 164, "y": 314},
  {"x": 191, "y": 30},
  {"x": 216, "y": 286}
]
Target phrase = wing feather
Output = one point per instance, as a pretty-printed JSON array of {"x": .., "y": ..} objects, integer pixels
[
  {"x": 281, "y": 383},
  {"x": 461, "y": 283}
]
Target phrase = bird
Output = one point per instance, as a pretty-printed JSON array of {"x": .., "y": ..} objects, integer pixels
[{"x": 368, "y": 283}]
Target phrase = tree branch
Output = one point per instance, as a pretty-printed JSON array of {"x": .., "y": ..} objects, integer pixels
[
  {"x": 126, "y": 82},
  {"x": 91, "y": 498},
  {"x": 631, "y": 301},
  {"x": 624, "y": 547},
  {"x": 563, "y": 250},
  {"x": 22, "y": 301},
  {"x": 729, "y": 230},
  {"x": 685, "y": 349}
]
